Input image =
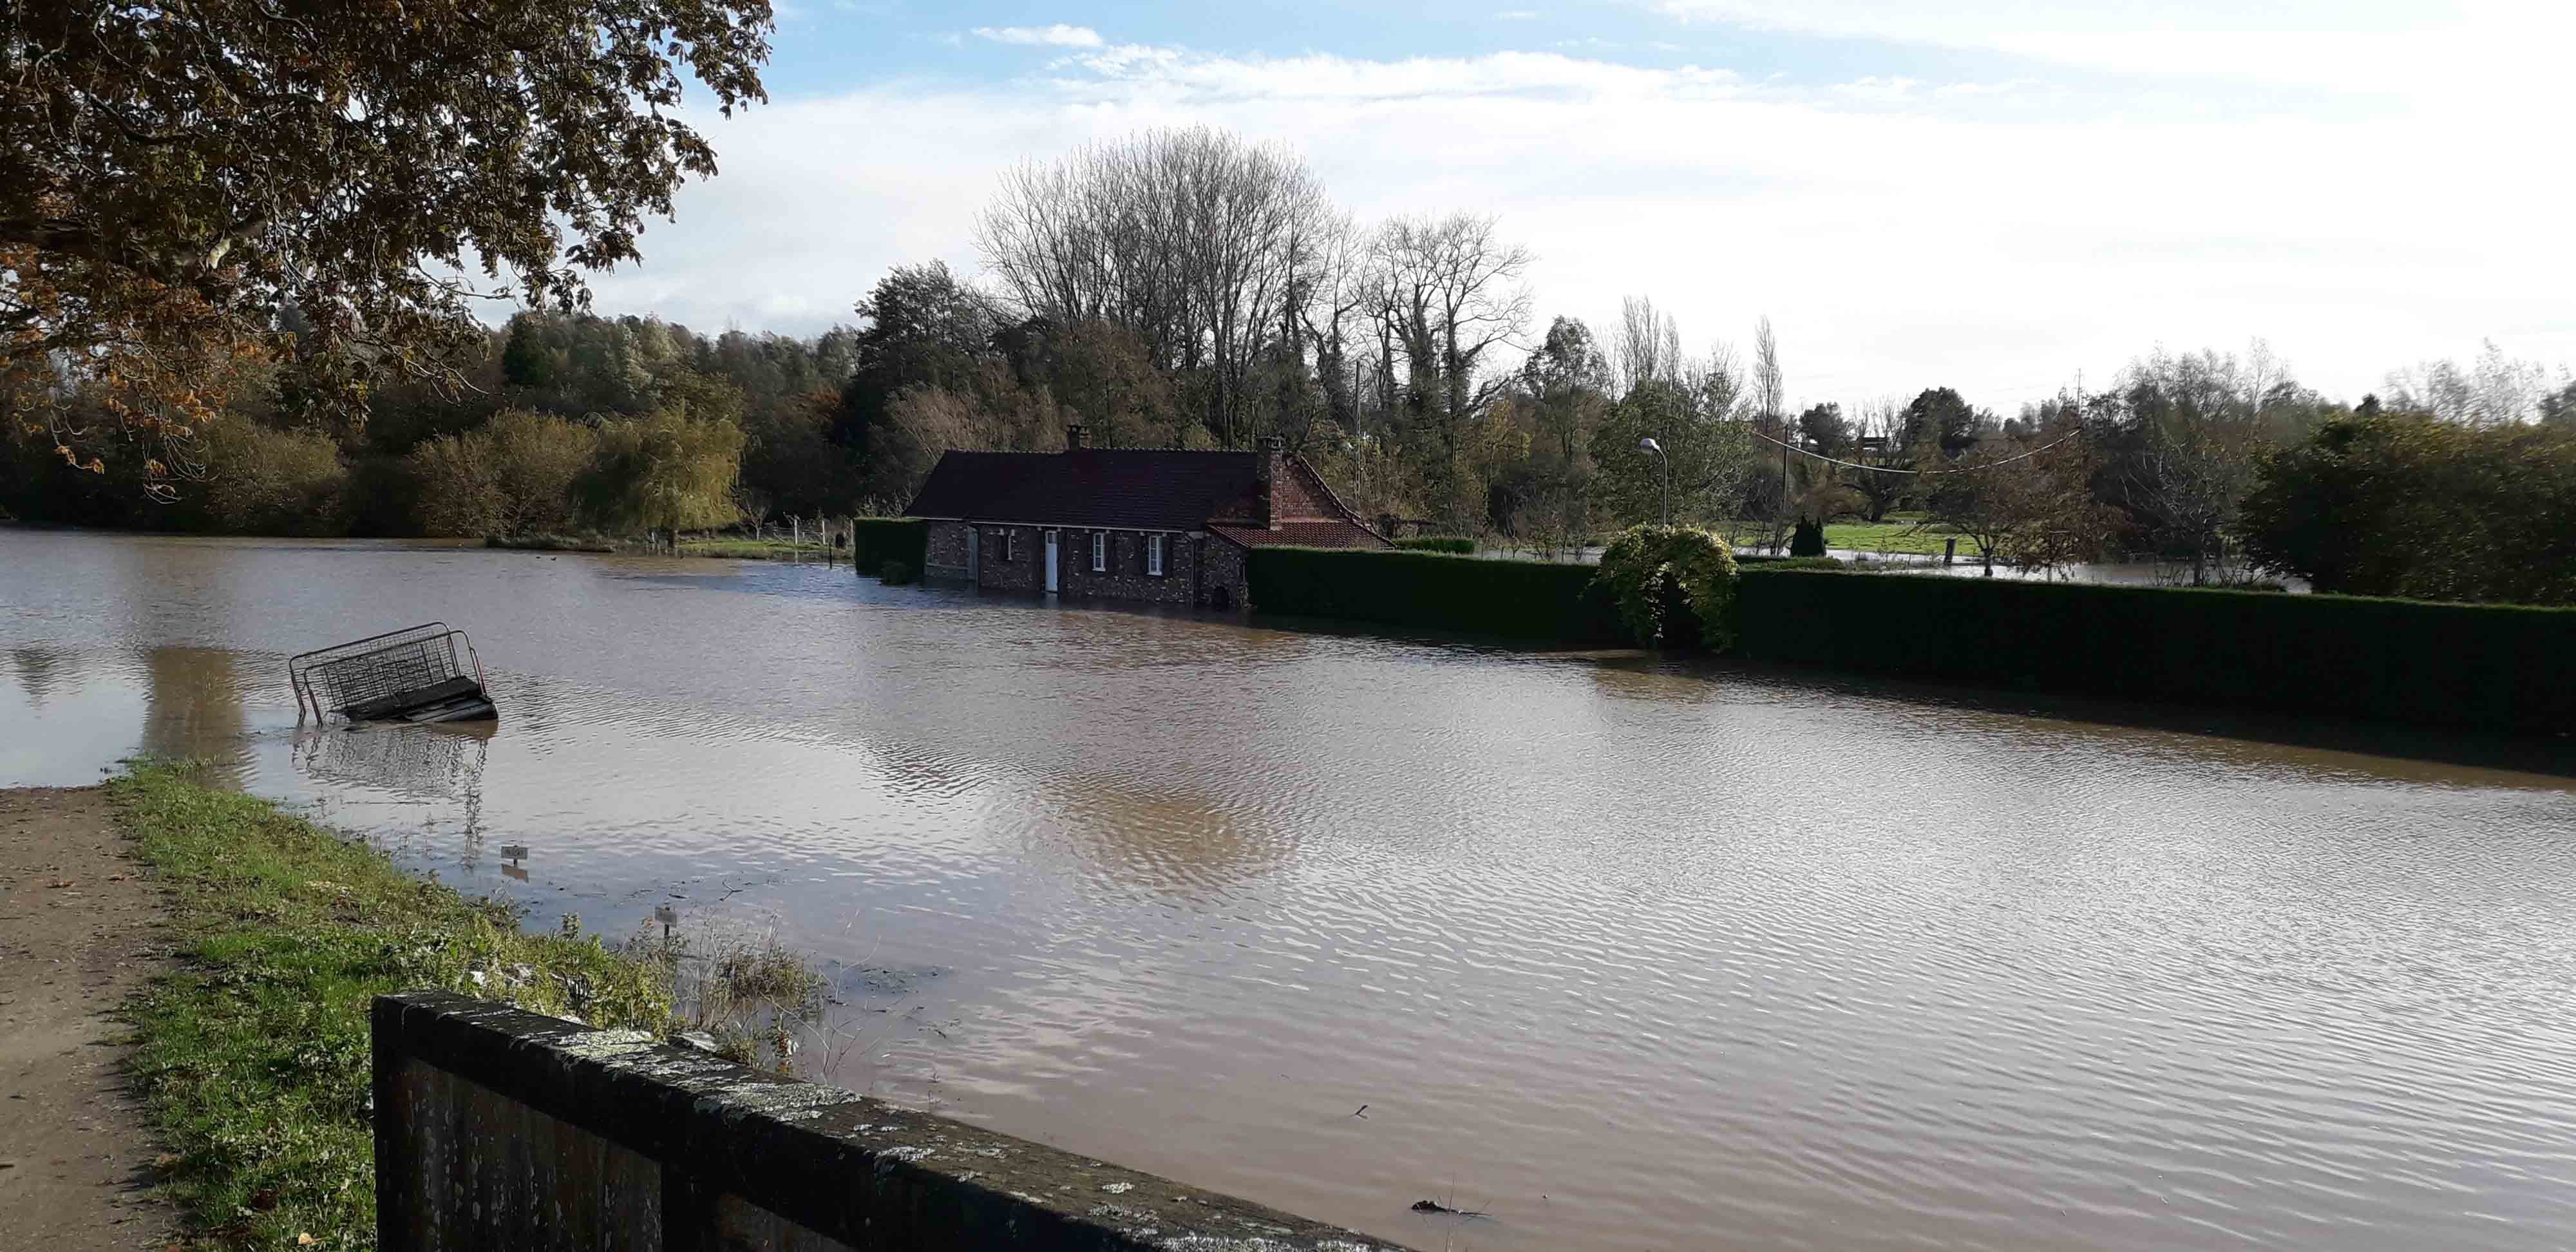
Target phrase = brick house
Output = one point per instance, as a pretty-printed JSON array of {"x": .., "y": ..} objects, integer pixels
[{"x": 1158, "y": 524}]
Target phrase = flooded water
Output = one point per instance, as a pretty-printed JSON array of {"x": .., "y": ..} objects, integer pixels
[{"x": 1623, "y": 953}]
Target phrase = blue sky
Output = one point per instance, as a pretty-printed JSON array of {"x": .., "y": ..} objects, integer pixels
[{"x": 1990, "y": 194}]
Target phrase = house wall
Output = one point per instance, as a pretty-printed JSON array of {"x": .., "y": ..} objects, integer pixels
[
  {"x": 943, "y": 552},
  {"x": 1014, "y": 569},
  {"x": 1184, "y": 581},
  {"x": 1126, "y": 579},
  {"x": 1221, "y": 566}
]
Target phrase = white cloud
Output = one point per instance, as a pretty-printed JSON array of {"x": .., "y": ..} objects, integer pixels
[
  {"x": 1901, "y": 236},
  {"x": 1058, "y": 35},
  {"x": 1516, "y": 15}
]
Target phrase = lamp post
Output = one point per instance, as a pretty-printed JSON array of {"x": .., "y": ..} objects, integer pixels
[{"x": 1649, "y": 445}]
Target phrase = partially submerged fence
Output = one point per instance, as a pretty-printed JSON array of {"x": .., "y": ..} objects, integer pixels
[
  {"x": 383, "y": 673},
  {"x": 497, "y": 1128}
]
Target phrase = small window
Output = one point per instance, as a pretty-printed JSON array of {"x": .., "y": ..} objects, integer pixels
[
  {"x": 1100, "y": 552},
  {"x": 1154, "y": 555}
]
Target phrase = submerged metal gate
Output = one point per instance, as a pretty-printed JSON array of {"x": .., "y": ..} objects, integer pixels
[{"x": 380, "y": 670}]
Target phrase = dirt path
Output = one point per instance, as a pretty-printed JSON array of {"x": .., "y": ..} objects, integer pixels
[{"x": 77, "y": 923}]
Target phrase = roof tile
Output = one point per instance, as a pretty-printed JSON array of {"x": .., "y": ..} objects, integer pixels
[{"x": 1138, "y": 488}]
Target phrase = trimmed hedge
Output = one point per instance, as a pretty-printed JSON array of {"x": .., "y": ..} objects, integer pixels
[
  {"x": 1459, "y": 544},
  {"x": 2495, "y": 667},
  {"x": 1536, "y": 600},
  {"x": 877, "y": 540}
]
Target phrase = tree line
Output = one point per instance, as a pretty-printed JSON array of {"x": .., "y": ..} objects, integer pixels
[{"x": 1187, "y": 288}]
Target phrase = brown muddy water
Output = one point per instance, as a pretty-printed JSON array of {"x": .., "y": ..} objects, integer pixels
[{"x": 1624, "y": 953}]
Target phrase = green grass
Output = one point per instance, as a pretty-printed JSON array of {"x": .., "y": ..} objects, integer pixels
[
  {"x": 551, "y": 543},
  {"x": 1901, "y": 532},
  {"x": 252, "y": 1055},
  {"x": 748, "y": 549}
]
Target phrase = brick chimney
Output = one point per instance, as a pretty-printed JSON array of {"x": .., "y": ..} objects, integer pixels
[
  {"x": 1269, "y": 465},
  {"x": 1073, "y": 437}
]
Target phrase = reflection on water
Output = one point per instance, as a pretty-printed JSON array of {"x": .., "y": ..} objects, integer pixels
[{"x": 1627, "y": 953}]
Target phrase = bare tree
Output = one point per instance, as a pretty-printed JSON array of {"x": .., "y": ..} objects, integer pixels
[
  {"x": 1194, "y": 240},
  {"x": 1769, "y": 402},
  {"x": 1447, "y": 292},
  {"x": 1882, "y": 427},
  {"x": 1769, "y": 393},
  {"x": 2494, "y": 390},
  {"x": 2187, "y": 441},
  {"x": 1649, "y": 346}
]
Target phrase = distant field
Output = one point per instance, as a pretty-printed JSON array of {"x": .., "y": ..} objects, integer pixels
[{"x": 1901, "y": 532}]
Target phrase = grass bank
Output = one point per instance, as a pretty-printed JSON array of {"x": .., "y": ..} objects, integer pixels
[
  {"x": 752, "y": 549},
  {"x": 551, "y": 543},
  {"x": 252, "y": 1055}
]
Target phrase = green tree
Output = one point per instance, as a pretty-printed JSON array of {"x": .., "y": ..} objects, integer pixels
[
  {"x": 2558, "y": 408},
  {"x": 2409, "y": 505},
  {"x": 1824, "y": 429},
  {"x": 274, "y": 482},
  {"x": 1941, "y": 415},
  {"x": 663, "y": 472},
  {"x": 924, "y": 329},
  {"x": 526, "y": 361},
  {"x": 1703, "y": 432},
  {"x": 178, "y": 173}
]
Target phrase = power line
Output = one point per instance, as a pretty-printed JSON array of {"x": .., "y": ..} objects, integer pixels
[{"x": 1886, "y": 469}]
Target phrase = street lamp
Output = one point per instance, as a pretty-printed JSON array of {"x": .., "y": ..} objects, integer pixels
[{"x": 1649, "y": 445}]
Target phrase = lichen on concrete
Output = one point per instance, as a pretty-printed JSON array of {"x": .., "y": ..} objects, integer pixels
[{"x": 846, "y": 1167}]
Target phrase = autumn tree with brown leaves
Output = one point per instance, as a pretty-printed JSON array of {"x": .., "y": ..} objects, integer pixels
[{"x": 192, "y": 189}]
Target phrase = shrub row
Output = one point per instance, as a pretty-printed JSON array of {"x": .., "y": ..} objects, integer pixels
[
  {"x": 2495, "y": 667},
  {"x": 1458, "y": 544},
  {"x": 2498, "y": 667},
  {"x": 1535, "y": 600},
  {"x": 877, "y": 540}
]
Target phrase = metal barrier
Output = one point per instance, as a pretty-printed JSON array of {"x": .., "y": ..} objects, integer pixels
[{"x": 348, "y": 675}]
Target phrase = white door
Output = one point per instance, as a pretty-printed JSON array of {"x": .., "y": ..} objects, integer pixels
[{"x": 1051, "y": 555}]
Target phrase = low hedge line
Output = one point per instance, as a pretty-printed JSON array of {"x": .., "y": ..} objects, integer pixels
[
  {"x": 1459, "y": 544},
  {"x": 2497, "y": 667},
  {"x": 1535, "y": 600},
  {"x": 2494, "y": 667},
  {"x": 877, "y": 540}
]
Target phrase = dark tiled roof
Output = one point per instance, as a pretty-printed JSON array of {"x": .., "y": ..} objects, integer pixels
[
  {"x": 1303, "y": 535},
  {"x": 1126, "y": 488}
]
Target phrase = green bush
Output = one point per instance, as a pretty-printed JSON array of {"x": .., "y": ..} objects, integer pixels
[
  {"x": 263, "y": 481},
  {"x": 1535, "y": 600},
  {"x": 2401, "y": 505},
  {"x": 1459, "y": 545},
  {"x": 1656, "y": 576},
  {"x": 1789, "y": 562},
  {"x": 2505, "y": 668},
  {"x": 1808, "y": 539},
  {"x": 877, "y": 540},
  {"x": 895, "y": 573}
]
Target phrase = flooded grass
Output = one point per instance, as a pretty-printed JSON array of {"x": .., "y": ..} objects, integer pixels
[
  {"x": 252, "y": 1054},
  {"x": 746, "y": 996}
]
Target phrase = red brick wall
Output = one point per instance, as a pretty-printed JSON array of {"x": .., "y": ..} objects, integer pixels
[{"x": 1296, "y": 496}]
